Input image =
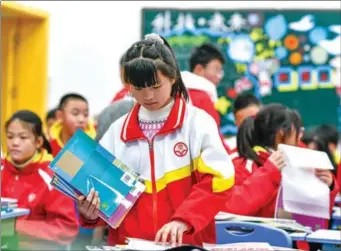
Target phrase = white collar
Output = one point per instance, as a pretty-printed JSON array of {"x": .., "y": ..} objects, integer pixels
[{"x": 158, "y": 115}]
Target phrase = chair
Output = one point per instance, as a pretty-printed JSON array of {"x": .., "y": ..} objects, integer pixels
[{"x": 233, "y": 232}]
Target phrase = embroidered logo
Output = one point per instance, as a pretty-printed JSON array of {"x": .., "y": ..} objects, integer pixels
[
  {"x": 180, "y": 149},
  {"x": 31, "y": 197}
]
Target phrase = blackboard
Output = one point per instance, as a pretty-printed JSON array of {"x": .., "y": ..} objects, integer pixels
[{"x": 286, "y": 56}]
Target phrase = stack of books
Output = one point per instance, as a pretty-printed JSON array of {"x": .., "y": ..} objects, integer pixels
[
  {"x": 83, "y": 164},
  {"x": 8, "y": 204}
]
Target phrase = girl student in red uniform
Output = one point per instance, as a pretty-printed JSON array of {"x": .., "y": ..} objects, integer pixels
[
  {"x": 176, "y": 149},
  {"x": 257, "y": 141},
  {"x": 25, "y": 176}
]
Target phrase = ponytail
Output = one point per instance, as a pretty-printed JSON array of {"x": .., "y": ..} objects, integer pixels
[
  {"x": 245, "y": 140},
  {"x": 46, "y": 144},
  {"x": 179, "y": 86}
]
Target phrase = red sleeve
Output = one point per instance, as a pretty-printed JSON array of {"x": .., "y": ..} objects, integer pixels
[
  {"x": 60, "y": 224},
  {"x": 338, "y": 173},
  {"x": 203, "y": 101},
  {"x": 253, "y": 190},
  {"x": 333, "y": 193}
]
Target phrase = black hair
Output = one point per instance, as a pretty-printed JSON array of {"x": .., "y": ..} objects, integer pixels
[
  {"x": 144, "y": 58},
  {"x": 34, "y": 121},
  {"x": 244, "y": 100},
  {"x": 262, "y": 129},
  {"x": 321, "y": 145},
  {"x": 51, "y": 114},
  {"x": 204, "y": 54},
  {"x": 70, "y": 96},
  {"x": 328, "y": 133}
]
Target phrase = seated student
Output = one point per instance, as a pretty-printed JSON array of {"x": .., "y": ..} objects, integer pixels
[
  {"x": 183, "y": 163},
  {"x": 25, "y": 176},
  {"x": 72, "y": 114},
  {"x": 330, "y": 134},
  {"x": 245, "y": 105},
  {"x": 50, "y": 119},
  {"x": 315, "y": 141},
  {"x": 257, "y": 141},
  {"x": 206, "y": 71}
]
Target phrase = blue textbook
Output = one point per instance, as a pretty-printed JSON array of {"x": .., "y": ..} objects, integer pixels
[{"x": 84, "y": 164}]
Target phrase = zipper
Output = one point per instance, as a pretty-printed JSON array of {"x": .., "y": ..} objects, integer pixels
[{"x": 154, "y": 192}]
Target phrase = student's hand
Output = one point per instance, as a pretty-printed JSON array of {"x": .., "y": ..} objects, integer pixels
[
  {"x": 325, "y": 176},
  {"x": 277, "y": 158},
  {"x": 176, "y": 229},
  {"x": 89, "y": 206}
]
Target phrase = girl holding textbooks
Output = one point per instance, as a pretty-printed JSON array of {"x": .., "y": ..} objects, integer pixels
[
  {"x": 175, "y": 148},
  {"x": 25, "y": 176}
]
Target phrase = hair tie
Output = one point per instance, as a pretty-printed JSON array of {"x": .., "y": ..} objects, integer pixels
[
  {"x": 254, "y": 117},
  {"x": 154, "y": 38}
]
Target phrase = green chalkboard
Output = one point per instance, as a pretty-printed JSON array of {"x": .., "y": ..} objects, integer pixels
[{"x": 286, "y": 56}]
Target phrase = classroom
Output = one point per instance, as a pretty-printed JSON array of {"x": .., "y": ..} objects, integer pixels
[{"x": 171, "y": 125}]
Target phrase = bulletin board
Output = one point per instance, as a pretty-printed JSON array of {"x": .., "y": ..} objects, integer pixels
[{"x": 286, "y": 56}]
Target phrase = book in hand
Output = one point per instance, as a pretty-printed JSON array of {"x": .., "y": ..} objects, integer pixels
[
  {"x": 8, "y": 204},
  {"x": 83, "y": 164}
]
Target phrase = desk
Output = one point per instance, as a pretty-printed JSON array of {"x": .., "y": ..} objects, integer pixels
[
  {"x": 298, "y": 236},
  {"x": 8, "y": 239},
  {"x": 325, "y": 237}
]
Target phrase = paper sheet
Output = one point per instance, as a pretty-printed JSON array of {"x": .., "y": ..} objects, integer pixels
[{"x": 303, "y": 192}]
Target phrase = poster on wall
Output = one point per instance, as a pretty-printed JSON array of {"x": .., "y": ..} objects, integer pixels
[{"x": 284, "y": 56}]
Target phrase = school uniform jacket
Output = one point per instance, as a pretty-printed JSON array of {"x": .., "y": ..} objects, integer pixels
[
  {"x": 175, "y": 188},
  {"x": 54, "y": 136},
  {"x": 260, "y": 200},
  {"x": 52, "y": 215}
]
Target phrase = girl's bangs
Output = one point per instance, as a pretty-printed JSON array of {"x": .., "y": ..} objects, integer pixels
[{"x": 141, "y": 73}]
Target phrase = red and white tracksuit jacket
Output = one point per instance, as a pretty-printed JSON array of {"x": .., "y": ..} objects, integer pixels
[
  {"x": 52, "y": 216},
  {"x": 259, "y": 200},
  {"x": 187, "y": 172},
  {"x": 55, "y": 132}
]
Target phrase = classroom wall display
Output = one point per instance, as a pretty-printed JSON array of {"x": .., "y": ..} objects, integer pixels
[{"x": 286, "y": 56}]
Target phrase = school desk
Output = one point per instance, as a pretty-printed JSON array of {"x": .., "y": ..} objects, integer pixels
[
  {"x": 8, "y": 239},
  {"x": 330, "y": 239}
]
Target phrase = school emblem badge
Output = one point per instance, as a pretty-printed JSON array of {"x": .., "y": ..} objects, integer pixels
[
  {"x": 31, "y": 197},
  {"x": 180, "y": 149}
]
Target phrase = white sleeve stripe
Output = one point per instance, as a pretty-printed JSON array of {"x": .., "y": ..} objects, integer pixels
[{"x": 46, "y": 177}]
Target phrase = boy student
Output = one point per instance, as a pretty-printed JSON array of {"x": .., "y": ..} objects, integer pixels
[
  {"x": 246, "y": 105},
  {"x": 72, "y": 113},
  {"x": 206, "y": 70}
]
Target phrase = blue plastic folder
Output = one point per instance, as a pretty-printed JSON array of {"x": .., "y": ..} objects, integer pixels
[{"x": 84, "y": 164}]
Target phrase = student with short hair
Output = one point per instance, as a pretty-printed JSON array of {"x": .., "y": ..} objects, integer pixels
[{"x": 72, "y": 114}]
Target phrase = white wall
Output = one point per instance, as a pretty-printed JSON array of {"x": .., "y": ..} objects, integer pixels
[{"x": 86, "y": 41}]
